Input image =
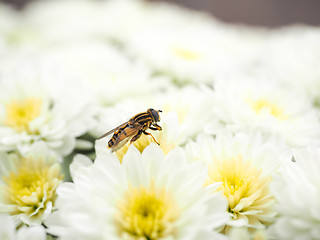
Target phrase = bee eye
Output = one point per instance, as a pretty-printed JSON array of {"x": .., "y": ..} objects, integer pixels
[{"x": 155, "y": 115}]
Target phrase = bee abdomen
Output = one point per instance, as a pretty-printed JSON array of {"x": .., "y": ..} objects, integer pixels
[
  {"x": 110, "y": 143},
  {"x": 115, "y": 136}
]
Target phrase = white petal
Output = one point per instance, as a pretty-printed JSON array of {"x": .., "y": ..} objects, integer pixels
[
  {"x": 34, "y": 233},
  {"x": 79, "y": 161}
]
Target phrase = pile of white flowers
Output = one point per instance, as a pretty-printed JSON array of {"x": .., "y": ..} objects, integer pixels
[{"x": 239, "y": 151}]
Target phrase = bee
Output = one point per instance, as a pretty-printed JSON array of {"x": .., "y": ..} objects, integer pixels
[{"x": 133, "y": 129}]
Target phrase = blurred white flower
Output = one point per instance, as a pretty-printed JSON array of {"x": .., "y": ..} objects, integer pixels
[
  {"x": 139, "y": 16},
  {"x": 107, "y": 73},
  {"x": 37, "y": 104},
  {"x": 9, "y": 19},
  {"x": 191, "y": 104},
  {"x": 149, "y": 196},
  {"x": 239, "y": 233},
  {"x": 8, "y": 230},
  {"x": 244, "y": 163},
  {"x": 190, "y": 52},
  {"x": 55, "y": 22},
  {"x": 266, "y": 106},
  {"x": 291, "y": 56},
  {"x": 128, "y": 15},
  {"x": 297, "y": 193},
  {"x": 186, "y": 45},
  {"x": 28, "y": 184}
]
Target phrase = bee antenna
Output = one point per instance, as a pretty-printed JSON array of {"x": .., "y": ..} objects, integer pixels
[{"x": 159, "y": 110}]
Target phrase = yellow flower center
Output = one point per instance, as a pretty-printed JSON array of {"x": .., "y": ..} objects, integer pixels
[
  {"x": 262, "y": 104},
  {"x": 146, "y": 213},
  {"x": 145, "y": 141},
  {"x": 185, "y": 53},
  {"x": 20, "y": 113},
  {"x": 32, "y": 186},
  {"x": 244, "y": 187}
]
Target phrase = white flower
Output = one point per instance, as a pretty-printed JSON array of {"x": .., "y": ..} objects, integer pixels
[
  {"x": 9, "y": 19},
  {"x": 187, "y": 53},
  {"x": 297, "y": 192},
  {"x": 28, "y": 184},
  {"x": 137, "y": 17},
  {"x": 245, "y": 164},
  {"x": 127, "y": 14},
  {"x": 148, "y": 196},
  {"x": 55, "y": 22},
  {"x": 243, "y": 103},
  {"x": 8, "y": 230},
  {"x": 107, "y": 73},
  {"x": 291, "y": 56},
  {"x": 37, "y": 104},
  {"x": 191, "y": 104},
  {"x": 188, "y": 46}
]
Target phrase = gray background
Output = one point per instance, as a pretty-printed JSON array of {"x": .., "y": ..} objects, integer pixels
[{"x": 268, "y": 13}]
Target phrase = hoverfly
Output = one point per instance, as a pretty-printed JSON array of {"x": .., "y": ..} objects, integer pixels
[{"x": 133, "y": 129}]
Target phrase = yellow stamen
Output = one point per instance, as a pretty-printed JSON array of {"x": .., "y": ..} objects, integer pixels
[
  {"x": 145, "y": 141},
  {"x": 274, "y": 110},
  {"x": 32, "y": 186},
  {"x": 146, "y": 213},
  {"x": 185, "y": 53},
  {"x": 243, "y": 185},
  {"x": 20, "y": 113}
]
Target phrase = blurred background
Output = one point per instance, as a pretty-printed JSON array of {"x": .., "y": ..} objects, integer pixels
[{"x": 269, "y": 13}]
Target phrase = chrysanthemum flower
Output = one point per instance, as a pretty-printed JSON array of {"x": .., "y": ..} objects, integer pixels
[
  {"x": 8, "y": 230},
  {"x": 187, "y": 46},
  {"x": 148, "y": 196},
  {"x": 292, "y": 60},
  {"x": 192, "y": 106},
  {"x": 49, "y": 22},
  {"x": 28, "y": 184},
  {"x": 37, "y": 106},
  {"x": 297, "y": 192},
  {"x": 243, "y": 103},
  {"x": 107, "y": 73},
  {"x": 244, "y": 164}
]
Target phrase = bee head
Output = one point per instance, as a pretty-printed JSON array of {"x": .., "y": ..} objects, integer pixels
[{"x": 155, "y": 114}]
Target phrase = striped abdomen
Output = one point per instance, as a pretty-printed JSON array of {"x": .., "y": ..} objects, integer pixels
[{"x": 116, "y": 136}]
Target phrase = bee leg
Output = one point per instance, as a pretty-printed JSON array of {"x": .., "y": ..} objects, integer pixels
[
  {"x": 146, "y": 133},
  {"x": 155, "y": 127},
  {"x": 136, "y": 137}
]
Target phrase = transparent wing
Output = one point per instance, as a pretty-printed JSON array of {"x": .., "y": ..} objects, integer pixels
[
  {"x": 120, "y": 144},
  {"x": 112, "y": 130}
]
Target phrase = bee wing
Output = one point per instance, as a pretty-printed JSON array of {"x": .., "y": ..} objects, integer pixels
[
  {"x": 112, "y": 130},
  {"x": 127, "y": 134},
  {"x": 120, "y": 144}
]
